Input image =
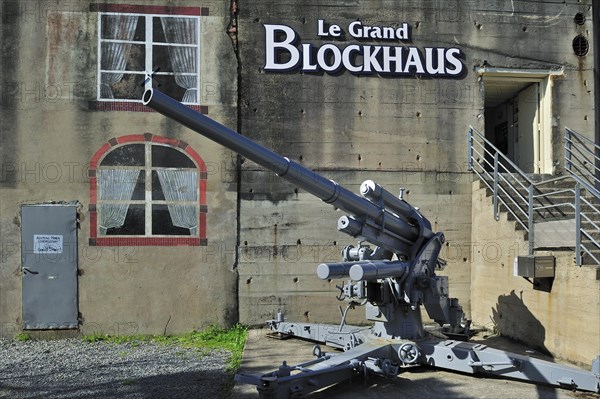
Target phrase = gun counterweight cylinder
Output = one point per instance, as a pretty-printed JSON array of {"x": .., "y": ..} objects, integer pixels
[
  {"x": 368, "y": 270},
  {"x": 373, "y": 270},
  {"x": 333, "y": 270},
  {"x": 321, "y": 187}
]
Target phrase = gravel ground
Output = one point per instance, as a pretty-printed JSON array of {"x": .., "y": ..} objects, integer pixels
[{"x": 72, "y": 368}]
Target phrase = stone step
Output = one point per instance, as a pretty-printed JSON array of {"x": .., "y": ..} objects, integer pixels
[
  {"x": 557, "y": 185},
  {"x": 587, "y": 260},
  {"x": 549, "y": 213},
  {"x": 561, "y": 209},
  {"x": 538, "y": 216},
  {"x": 523, "y": 190}
]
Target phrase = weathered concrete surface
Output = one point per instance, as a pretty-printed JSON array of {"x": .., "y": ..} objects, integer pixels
[
  {"x": 564, "y": 321},
  {"x": 350, "y": 129},
  {"x": 49, "y": 133},
  {"x": 282, "y": 245},
  {"x": 401, "y": 132},
  {"x": 263, "y": 354}
]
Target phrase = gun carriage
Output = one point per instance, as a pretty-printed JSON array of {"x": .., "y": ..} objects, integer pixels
[{"x": 391, "y": 281}]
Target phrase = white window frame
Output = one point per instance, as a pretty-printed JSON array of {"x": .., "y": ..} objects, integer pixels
[
  {"x": 148, "y": 52},
  {"x": 148, "y": 201}
]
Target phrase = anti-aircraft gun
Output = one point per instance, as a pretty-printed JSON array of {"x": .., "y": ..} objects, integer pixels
[{"x": 392, "y": 281}]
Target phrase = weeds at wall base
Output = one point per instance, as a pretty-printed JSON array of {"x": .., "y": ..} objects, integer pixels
[
  {"x": 22, "y": 337},
  {"x": 214, "y": 337}
]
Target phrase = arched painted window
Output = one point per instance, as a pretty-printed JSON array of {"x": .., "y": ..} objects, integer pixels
[{"x": 147, "y": 190}]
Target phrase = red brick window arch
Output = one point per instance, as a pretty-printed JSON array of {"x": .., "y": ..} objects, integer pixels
[{"x": 147, "y": 190}]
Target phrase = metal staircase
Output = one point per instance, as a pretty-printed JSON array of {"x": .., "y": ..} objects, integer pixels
[{"x": 555, "y": 212}]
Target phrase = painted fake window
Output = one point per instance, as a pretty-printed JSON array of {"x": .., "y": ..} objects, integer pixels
[
  {"x": 146, "y": 191},
  {"x": 133, "y": 45}
]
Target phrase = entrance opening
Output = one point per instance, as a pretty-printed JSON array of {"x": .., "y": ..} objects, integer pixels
[{"x": 518, "y": 116}]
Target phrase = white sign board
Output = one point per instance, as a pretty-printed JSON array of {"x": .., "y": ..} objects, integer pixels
[{"x": 47, "y": 244}]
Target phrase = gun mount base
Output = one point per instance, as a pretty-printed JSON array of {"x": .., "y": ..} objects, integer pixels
[
  {"x": 366, "y": 351},
  {"x": 391, "y": 357}
]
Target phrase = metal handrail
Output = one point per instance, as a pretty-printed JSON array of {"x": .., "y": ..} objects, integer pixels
[
  {"x": 502, "y": 162},
  {"x": 508, "y": 184},
  {"x": 586, "y": 172},
  {"x": 579, "y": 143},
  {"x": 585, "y": 160}
]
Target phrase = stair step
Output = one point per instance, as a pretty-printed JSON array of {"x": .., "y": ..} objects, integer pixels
[
  {"x": 522, "y": 187},
  {"x": 564, "y": 209},
  {"x": 538, "y": 216},
  {"x": 587, "y": 260},
  {"x": 593, "y": 233}
]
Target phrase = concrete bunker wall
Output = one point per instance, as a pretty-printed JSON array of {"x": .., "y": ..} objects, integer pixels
[
  {"x": 399, "y": 131},
  {"x": 563, "y": 321},
  {"x": 52, "y": 125}
]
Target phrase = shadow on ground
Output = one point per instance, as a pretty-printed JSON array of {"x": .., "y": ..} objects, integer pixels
[{"x": 207, "y": 384}]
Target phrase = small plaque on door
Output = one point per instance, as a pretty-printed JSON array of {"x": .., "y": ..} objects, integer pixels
[{"x": 47, "y": 244}]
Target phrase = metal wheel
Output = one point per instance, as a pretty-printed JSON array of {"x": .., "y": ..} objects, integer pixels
[{"x": 409, "y": 353}]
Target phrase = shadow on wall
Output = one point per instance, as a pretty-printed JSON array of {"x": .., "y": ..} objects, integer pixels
[{"x": 513, "y": 319}]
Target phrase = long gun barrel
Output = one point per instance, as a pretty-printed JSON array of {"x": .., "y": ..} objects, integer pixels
[{"x": 400, "y": 235}]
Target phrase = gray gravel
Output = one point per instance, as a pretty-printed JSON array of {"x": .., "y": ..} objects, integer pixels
[{"x": 72, "y": 368}]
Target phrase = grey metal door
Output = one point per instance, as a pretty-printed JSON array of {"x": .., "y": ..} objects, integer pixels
[{"x": 49, "y": 265}]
